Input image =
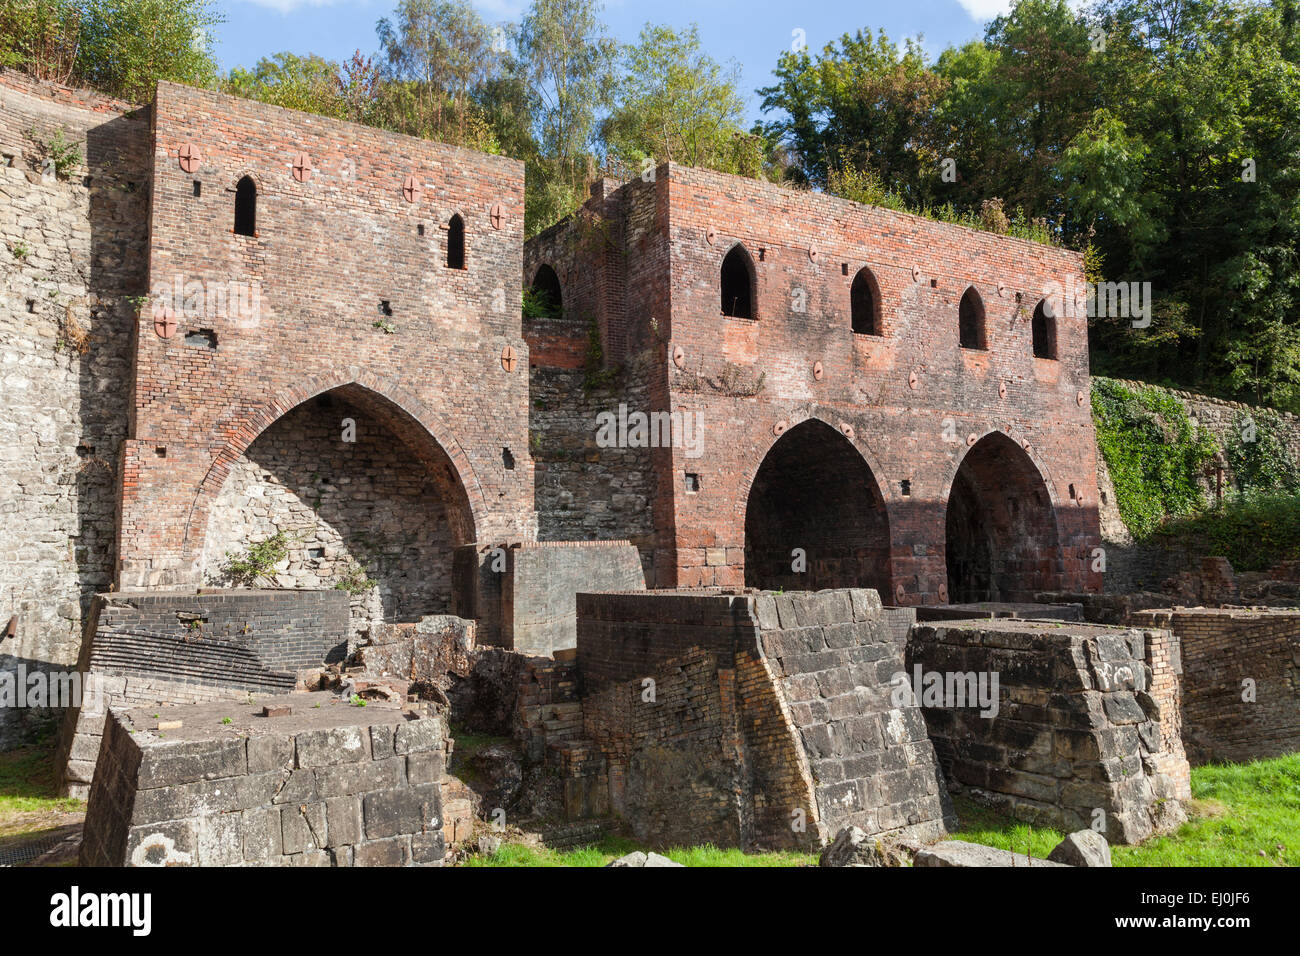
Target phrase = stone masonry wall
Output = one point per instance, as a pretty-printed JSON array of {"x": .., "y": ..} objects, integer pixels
[
  {"x": 768, "y": 722},
  {"x": 1240, "y": 680},
  {"x": 356, "y": 513},
  {"x": 72, "y": 254},
  {"x": 1078, "y": 730},
  {"x": 328, "y": 786}
]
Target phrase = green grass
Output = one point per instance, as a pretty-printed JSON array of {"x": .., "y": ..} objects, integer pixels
[
  {"x": 611, "y": 848},
  {"x": 1240, "y": 815},
  {"x": 29, "y": 802}
]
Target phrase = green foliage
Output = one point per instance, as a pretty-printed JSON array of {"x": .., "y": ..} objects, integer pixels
[
  {"x": 120, "y": 47},
  {"x": 537, "y": 304},
  {"x": 675, "y": 103},
  {"x": 1259, "y": 460},
  {"x": 1254, "y": 533},
  {"x": 63, "y": 153},
  {"x": 257, "y": 561},
  {"x": 1154, "y": 453},
  {"x": 355, "y": 580},
  {"x": 611, "y": 848}
]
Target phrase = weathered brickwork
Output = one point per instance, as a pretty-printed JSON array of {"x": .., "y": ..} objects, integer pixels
[
  {"x": 1240, "y": 680},
  {"x": 768, "y": 722},
  {"x": 1080, "y": 731},
  {"x": 327, "y": 786},
  {"x": 940, "y": 433},
  {"x": 72, "y": 253},
  {"x": 354, "y": 298}
]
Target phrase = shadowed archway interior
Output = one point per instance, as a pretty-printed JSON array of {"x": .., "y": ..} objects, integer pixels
[
  {"x": 1001, "y": 538},
  {"x": 367, "y": 500},
  {"x": 815, "y": 504}
]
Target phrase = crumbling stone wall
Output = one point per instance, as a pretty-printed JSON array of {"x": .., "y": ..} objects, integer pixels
[
  {"x": 354, "y": 512},
  {"x": 328, "y": 786},
  {"x": 1240, "y": 680},
  {"x": 73, "y": 250},
  {"x": 1077, "y": 737}
]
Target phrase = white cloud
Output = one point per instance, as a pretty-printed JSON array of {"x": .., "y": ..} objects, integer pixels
[{"x": 491, "y": 9}]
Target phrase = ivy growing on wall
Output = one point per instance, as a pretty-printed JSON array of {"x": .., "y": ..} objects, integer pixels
[
  {"x": 1258, "y": 458},
  {"x": 1153, "y": 451}
]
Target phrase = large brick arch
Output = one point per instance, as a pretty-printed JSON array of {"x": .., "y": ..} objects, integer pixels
[
  {"x": 419, "y": 428},
  {"x": 817, "y": 489},
  {"x": 1002, "y": 537}
]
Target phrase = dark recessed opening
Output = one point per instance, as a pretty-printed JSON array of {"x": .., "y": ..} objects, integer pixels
[
  {"x": 1044, "y": 332},
  {"x": 385, "y": 307},
  {"x": 864, "y": 304},
  {"x": 198, "y": 189},
  {"x": 738, "y": 284},
  {"x": 31, "y": 306},
  {"x": 315, "y": 553},
  {"x": 970, "y": 319},
  {"x": 160, "y": 451},
  {"x": 456, "y": 243},
  {"x": 84, "y": 451},
  {"x": 548, "y": 299},
  {"x": 508, "y": 459},
  {"x": 1073, "y": 493},
  {"x": 844, "y": 268},
  {"x": 201, "y": 339},
  {"x": 906, "y": 487},
  {"x": 246, "y": 207},
  {"x": 132, "y": 187},
  {"x": 419, "y": 230},
  {"x": 692, "y": 483},
  {"x": 6, "y": 160}
]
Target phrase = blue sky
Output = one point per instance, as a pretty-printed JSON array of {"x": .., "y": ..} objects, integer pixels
[{"x": 752, "y": 32}]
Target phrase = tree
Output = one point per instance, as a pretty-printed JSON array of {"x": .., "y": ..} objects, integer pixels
[
  {"x": 309, "y": 83},
  {"x": 568, "y": 59},
  {"x": 675, "y": 103},
  {"x": 119, "y": 47}
]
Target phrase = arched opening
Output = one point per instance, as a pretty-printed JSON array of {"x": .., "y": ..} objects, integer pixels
[
  {"x": 815, "y": 518},
  {"x": 545, "y": 299},
  {"x": 970, "y": 320},
  {"x": 364, "y": 499},
  {"x": 737, "y": 282},
  {"x": 1001, "y": 539},
  {"x": 1044, "y": 331},
  {"x": 456, "y": 243},
  {"x": 864, "y": 303},
  {"x": 246, "y": 207}
]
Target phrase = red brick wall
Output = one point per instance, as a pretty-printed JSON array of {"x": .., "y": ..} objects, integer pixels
[
  {"x": 910, "y": 401},
  {"x": 328, "y": 250}
]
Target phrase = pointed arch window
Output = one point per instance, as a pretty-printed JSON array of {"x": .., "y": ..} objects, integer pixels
[
  {"x": 970, "y": 319},
  {"x": 737, "y": 282},
  {"x": 864, "y": 304},
  {"x": 1044, "y": 331}
]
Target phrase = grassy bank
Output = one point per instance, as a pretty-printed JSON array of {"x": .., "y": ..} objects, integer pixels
[{"x": 29, "y": 803}]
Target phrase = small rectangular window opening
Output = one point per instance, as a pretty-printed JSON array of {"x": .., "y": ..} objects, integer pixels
[{"x": 692, "y": 483}]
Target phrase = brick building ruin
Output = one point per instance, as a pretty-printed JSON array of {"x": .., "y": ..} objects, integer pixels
[{"x": 742, "y": 440}]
